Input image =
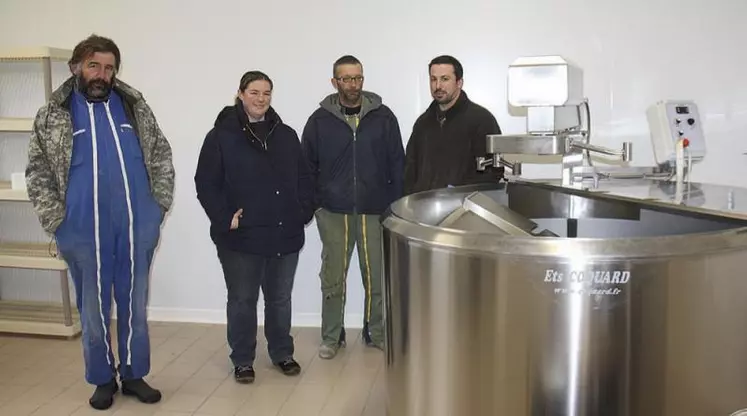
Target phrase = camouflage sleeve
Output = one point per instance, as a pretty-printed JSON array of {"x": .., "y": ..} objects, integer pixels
[
  {"x": 41, "y": 183},
  {"x": 162, "y": 165}
]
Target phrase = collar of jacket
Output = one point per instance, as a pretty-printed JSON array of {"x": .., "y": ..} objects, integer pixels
[
  {"x": 459, "y": 105},
  {"x": 370, "y": 101},
  {"x": 271, "y": 116},
  {"x": 62, "y": 95}
]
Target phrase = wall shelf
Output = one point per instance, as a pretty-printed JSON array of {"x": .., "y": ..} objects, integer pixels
[
  {"x": 9, "y": 194},
  {"x": 36, "y": 318},
  {"x": 35, "y": 53},
  {"x": 21, "y": 125},
  {"x": 30, "y": 256},
  {"x": 24, "y": 317}
]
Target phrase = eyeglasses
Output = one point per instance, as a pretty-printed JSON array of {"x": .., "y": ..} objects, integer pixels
[{"x": 348, "y": 80}]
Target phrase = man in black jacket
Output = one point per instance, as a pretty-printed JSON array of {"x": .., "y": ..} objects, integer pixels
[
  {"x": 354, "y": 148},
  {"x": 447, "y": 138}
]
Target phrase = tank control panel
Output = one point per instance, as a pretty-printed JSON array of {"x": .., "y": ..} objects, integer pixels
[{"x": 670, "y": 121}]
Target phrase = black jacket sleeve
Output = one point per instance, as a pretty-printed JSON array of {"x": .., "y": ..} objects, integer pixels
[
  {"x": 209, "y": 183},
  {"x": 411, "y": 161},
  {"x": 396, "y": 157},
  {"x": 309, "y": 148},
  {"x": 487, "y": 124}
]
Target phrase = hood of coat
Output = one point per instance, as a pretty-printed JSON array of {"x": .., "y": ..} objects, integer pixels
[
  {"x": 370, "y": 101},
  {"x": 234, "y": 116}
]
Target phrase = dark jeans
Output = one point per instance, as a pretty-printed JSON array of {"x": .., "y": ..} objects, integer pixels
[{"x": 245, "y": 274}]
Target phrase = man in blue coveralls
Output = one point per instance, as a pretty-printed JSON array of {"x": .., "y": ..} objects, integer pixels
[{"x": 100, "y": 177}]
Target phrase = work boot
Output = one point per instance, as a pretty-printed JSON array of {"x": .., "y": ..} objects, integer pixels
[
  {"x": 243, "y": 374},
  {"x": 370, "y": 342},
  {"x": 328, "y": 352},
  {"x": 103, "y": 396},
  {"x": 289, "y": 367},
  {"x": 366, "y": 335},
  {"x": 140, "y": 389}
]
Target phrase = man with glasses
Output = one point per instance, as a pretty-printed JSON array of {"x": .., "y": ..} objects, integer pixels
[{"x": 354, "y": 148}]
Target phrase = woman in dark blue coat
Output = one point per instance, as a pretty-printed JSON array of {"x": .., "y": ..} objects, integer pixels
[{"x": 255, "y": 186}]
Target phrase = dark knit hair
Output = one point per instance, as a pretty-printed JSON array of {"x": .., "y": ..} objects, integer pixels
[
  {"x": 344, "y": 60},
  {"x": 250, "y": 77},
  {"x": 448, "y": 60},
  {"x": 92, "y": 44}
]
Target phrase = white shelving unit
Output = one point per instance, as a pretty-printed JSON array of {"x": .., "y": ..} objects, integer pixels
[
  {"x": 16, "y": 124},
  {"x": 39, "y": 318}
]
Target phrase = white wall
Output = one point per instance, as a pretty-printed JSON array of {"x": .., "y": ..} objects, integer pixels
[{"x": 187, "y": 58}]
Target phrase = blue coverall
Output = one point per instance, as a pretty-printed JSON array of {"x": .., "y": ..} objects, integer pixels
[{"x": 110, "y": 231}]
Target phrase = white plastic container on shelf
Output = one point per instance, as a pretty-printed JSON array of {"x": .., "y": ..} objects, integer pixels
[{"x": 18, "y": 181}]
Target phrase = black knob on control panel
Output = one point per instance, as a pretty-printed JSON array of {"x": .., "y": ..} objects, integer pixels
[{"x": 691, "y": 121}]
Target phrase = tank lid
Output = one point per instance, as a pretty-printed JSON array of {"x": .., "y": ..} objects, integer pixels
[{"x": 482, "y": 218}]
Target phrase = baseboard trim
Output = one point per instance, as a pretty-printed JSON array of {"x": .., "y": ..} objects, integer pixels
[{"x": 218, "y": 316}]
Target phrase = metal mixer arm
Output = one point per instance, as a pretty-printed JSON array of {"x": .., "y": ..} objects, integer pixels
[
  {"x": 626, "y": 154},
  {"x": 497, "y": 161}
]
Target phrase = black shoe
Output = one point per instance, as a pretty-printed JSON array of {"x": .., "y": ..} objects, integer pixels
[
  {"x": 103, "y": 397},
  {"x": 366, "y": 335},
  {"x": 289, "y": 367},
  {"x": 243, "y": 374},
  {"x": 140, "y": 389}
]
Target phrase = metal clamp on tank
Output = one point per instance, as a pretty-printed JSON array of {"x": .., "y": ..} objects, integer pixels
[{"x": 551, "y": 90}]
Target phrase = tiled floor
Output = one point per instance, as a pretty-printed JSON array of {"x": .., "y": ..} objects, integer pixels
[{"x": 191, "y": 368}]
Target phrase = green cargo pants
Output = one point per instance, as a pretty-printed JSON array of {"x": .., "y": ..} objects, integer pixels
[{"x": 339, "y": 234}]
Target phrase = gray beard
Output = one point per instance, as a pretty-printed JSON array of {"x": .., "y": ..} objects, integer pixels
[
  {"x": 94, "y": 91},
  {"x": 349, "y": 101}
]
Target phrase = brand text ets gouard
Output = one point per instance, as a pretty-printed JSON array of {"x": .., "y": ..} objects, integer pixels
[{"x": 592, "y": 277}]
